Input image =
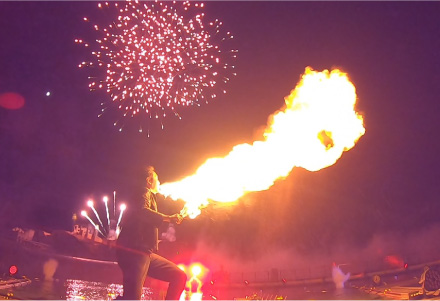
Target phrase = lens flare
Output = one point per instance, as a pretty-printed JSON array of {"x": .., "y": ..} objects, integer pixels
[
  {"x": 11, "y": 101},
  {"x": 317, "y": 124},
  {"x": 13, "y": 270},
  {"x": 154, "y": 58}
]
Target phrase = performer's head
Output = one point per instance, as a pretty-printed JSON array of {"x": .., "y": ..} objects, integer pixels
[{"x": 152, "y": 179}]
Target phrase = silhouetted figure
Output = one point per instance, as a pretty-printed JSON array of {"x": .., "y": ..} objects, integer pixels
[{"x": 138, "y": 242}]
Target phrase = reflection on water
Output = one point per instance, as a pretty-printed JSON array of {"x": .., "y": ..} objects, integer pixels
[
  {"x": 89, "y": 290},
  {"x": 70, "y": 289}
]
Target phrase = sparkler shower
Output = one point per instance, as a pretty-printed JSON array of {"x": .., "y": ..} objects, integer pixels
[
  {"x": 112, "y": 228},
  {"x": 156, "y": 57},
  {"x": 317, "y": 124}
]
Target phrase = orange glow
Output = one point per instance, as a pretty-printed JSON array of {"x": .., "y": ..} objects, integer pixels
[
  {"x": 182, "y": 267},
  {"x": 196, "y": 297},
  {"x": 316, "y": 125}
]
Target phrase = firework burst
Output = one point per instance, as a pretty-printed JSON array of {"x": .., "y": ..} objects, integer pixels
[{"x": 155, "y": 58}]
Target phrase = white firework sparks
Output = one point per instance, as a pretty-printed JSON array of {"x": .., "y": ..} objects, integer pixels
[{"x": 155, "y": 58}]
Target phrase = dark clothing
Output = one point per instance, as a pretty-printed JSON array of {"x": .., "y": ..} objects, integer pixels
[
  {"x": 140, "y": 227},
  {"x": 136, "y": 243},
  {"x": 136, "y": 267}
]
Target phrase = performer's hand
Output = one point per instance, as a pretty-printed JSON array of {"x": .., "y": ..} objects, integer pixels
[
  {"x": 184, "y": 212},
  {"x": 176, "y": 218}
]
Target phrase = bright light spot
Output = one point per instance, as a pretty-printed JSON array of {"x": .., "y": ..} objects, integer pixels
[
  {"x": 48, "y": 93},
  {"x": 196, "y": 296},
  {"x": 194, "y": 283},
  {"x": 196, "y": 269},
  {"x": 13, "y": 269},
  {"x": 123, "y": 207},
  {"x": 182, "y": 267}
]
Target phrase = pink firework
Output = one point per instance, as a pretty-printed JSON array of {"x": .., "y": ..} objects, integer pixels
[{"x": 155, "y": 58}]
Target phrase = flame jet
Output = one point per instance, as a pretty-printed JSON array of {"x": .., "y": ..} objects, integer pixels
[{"x": 316, "y": 125}]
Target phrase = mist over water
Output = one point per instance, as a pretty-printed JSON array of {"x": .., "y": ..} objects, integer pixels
[{"x": 383, "y": 251}]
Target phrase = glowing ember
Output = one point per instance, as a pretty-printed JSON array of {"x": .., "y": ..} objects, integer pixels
[
  {"x": 317, "y": 124},
  {"x": 156, "y": 57}
]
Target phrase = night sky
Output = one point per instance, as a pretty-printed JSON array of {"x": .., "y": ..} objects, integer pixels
[{"x": 56, "y": 153}]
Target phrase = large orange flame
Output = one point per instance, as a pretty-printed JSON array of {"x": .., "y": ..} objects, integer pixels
[{"x": 317, "y": 124}]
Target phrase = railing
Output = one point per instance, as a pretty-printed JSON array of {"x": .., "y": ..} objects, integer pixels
[{"x": 324, "y": 271}]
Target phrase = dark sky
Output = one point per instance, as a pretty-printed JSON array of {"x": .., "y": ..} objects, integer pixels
[{"x": 55, "y": 152}]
